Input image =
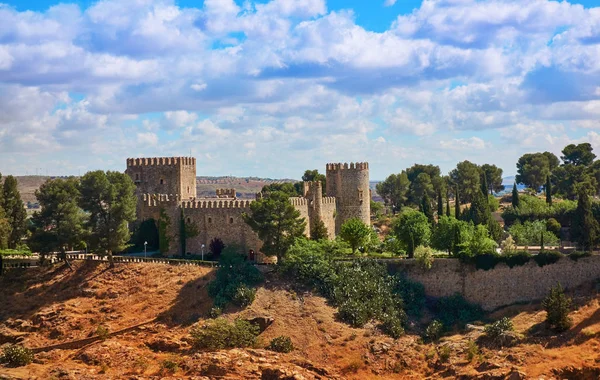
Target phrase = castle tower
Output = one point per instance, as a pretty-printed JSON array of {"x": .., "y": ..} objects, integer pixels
[
  {"x": 164, "y": 175},
  {"x": 313, "y": 192},
  {"x": 349, "y": 184}
]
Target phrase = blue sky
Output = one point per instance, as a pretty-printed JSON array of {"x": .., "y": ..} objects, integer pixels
[{"x": 271, "y": 88}]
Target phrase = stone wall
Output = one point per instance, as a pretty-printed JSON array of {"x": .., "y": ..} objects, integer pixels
[
  {"x": 349, "y": 184},
  {"x": 502, "y": 285},
  {"x": 163, "y": 175}
]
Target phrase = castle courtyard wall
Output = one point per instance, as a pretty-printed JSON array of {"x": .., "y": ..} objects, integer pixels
[{"x": 502, "y": 285}]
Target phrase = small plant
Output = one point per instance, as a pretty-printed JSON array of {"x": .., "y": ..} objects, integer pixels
[
  {"x": 219, "y": 334},
  {"x": 430, "y": 354},
  {"x": 424, "y": 257},
  {"x": 472, "y": 351},
  {"x": 169, "y": 366},
  {"x": 215, "y": 312},
  {"x": 499, "y": 331},
  {"x": 558, "y": 306},
  {"x": 434, "y": 331},
  {"x": 281, "y": 344},
  {"x": 16, "y": 356},
  {"x": 244, "y": 296},
  {"x": 444, "y": 353},
  {"x": 392, "y": 325},
  {"x": 102, "y": 332}
]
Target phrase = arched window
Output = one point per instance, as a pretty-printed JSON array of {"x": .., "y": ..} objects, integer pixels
[
  {"x": 209, "y": 220},
  {"x": 189, "y": 220},
  {"x": 162, "y": 181},
  {"x": 230, "y": 220}
]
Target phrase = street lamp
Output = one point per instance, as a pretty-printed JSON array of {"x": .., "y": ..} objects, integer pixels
[
  {"x": 145, "y": 244},
  {"x": 203, "y": 252}
]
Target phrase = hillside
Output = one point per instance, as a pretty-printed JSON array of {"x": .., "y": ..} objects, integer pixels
[{"x": 45, "y": 306}]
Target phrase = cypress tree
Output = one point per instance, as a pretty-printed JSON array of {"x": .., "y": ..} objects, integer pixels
[
  {"x": 447, "y": 206},
  {"x": 479, "y": 212},
  {"x": 426, "y": 207},
  {"x": 14, "y": 211},
  {"x": 542, "y": 241},
  {"x": 585, "y": 228},
  {"x": 484, "y": 186},
  {"x": 515, "y": 196},
  {"x": 440, "y": 204},
  {"x": 456, "y": 204},
  {"x": 548, "y": 191}
]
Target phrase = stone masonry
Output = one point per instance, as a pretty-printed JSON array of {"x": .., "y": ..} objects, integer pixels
[{"x": 169, "y": 184}]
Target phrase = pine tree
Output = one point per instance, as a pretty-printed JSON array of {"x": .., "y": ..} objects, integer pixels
[
  {"x": 426, "y": 207},
  {"x": 548, "y": 191},
  {"x": 440, "y": 204},
  {"x": 515, "y": 196},
  {"x": 456, "y": 204},
  {"x": 14, "y": 211},
  {"x": 585, "y": 228}
]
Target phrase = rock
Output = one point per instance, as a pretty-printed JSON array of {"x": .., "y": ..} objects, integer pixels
[
  {"x": 470, "y": 327},
  {"x": 213, "y": 370},
  {"x": 379, "y": 347},
  {"x": 487, "y": 366},
  {"x": 268, "y": 373},
  {"x": 262, "y": 322},
  {"x": 163, "y": 345},
  {"x": 515, "y": 374},
  {"x": 87, "y": 292}
]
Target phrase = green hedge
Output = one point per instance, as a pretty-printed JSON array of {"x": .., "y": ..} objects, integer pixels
[{"x": 14, "y": 252}]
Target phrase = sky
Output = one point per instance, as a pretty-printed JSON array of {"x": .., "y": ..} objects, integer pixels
[{"x": 271, "y": 88}]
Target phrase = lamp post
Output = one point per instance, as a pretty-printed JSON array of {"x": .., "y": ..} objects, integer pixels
[
  {"x": 203, "y": 252},
  {"x": 145, "y": 244}
]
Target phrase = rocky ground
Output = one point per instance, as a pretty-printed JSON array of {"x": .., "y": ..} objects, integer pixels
[{"x": 145, "y": 311}]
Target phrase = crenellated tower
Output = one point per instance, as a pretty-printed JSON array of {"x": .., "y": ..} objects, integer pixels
[
  {"x": 349, "y": 184},
  {"x": 164, "y": 175}
]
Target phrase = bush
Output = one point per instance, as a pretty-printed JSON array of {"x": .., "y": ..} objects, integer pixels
[
  {"x": 533, "y": 208},
  {"x": 472, "y": 350},
  {"x": 487, "y": 261},
  {"x": 216, "y": 246},
  {"x": 424, "y": 257},
  {"x": 455, "y": 310},
  {"x": 530, "y": 233},
  {"x": 578, "y": 255},
  {"x": 553, "y": 226},
  {"x": 15, "y": 252},
  {"x": 16, "y": 356},
  {"x": 169, "y": 366},
  {"x": 497, "y": 332},
  {"x": 392, "y": 325},
  {"x": 102, "y": 332},
  {"x": 215, "y": 312},
  {"x": 281, "y": 344},
  {"x": 444, "y": 353},
  {"x": 219, "y": 334},
  {"x": 517, "y": 258},
  {"x": 557, "y": 306},
  {"x": 434, "y": 331},
  {"x": 234, "y": 281},
  {"x": 547, "y": 257},
  {"x": 412, "y": 294}
]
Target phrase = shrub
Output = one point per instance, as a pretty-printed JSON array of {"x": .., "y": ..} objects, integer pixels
[
  {"x": 169, "y": 366},
  {"x": 517, "y": 258},
  {"x": 244, "y": 296},
  {"x": 434, "y": 331},
  {"x": 215, "y": 312},
  {"x": 487, "y": 261},
  {"x": 424, "y": 257},
  {"x": 497, "y": 332},
  {"x": 557, "y": 306},
  {"x": 219, "y": 334},
  {"x": 530, "y": 233},
  {"x": 281, "y": 344},
  {"x": 455, "y": 310},
  {"x": 472, "y": 350},
  {"x": 578, "y": 255},
  {"x": 16, "y": 356},
  {"x": 412, "y": 294},
  {"x": 508, "y": 246},
  {"x": 532, "y": 208},
  {"x": 444, "y": 353},
  {"x": 216, "y": 246},
  {"x": 553, "y": 226},
  {"x": 547, "y": 257},
  {"x": 102, "y": 332},
  {"x": 392, "y": 325},
  {"x": 234, "y": 281}
]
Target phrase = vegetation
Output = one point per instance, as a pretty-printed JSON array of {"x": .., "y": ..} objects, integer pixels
[
  {"x": 530, "y": 233},
  {"x": 219, "y": 334},
  {"x": 424, "y": 257},
  {"x": 14, "y": 212},
  {"x": 434, "y": 330},
  {"x": 533, "y": 168},
  {"x": 276, "y": 222},
  {"x": 235, "y": 280},
  {"x": 16, "y": 356},
  {"x": 498, "y": 333},
  {"x": 281, "y": 344},
  {"x": 455, "y": 310},
  {"x": 547, "y": 257},
  {"x": 585, "y": 228},
  {"x": 533, "y": 208},
  {"x": 319, "y": 231},
  {"x": 412, "y": 229},
  {"x": 164, "y": 224},
  {"x": 557, "y": 306},
  {"x": 355, "y": 233}
]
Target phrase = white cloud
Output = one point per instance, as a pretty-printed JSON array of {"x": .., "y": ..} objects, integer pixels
[
  {"x": 464, "y": 144},
  {"x": 389, "y": 3}
]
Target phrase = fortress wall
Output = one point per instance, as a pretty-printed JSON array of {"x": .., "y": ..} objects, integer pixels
[
  {"x": 301, "y": 204},
  {"x": 502, "y": 285},
  {"x": 328, "y": 210},
  {"x": 177, "y": 174}
]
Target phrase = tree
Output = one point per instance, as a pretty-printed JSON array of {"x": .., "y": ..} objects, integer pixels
[
  {"x": 456, "y": 204},
  {"x": 443, "y": 234},
  {"x": 394, "y": 190},
  {"x": 569, "y": 179},
  {"x": 515, "y": 196},
  {"x": 479, "y": 212},
  {"x": 440, "y": 204},
  {"x": 533, "y": 168},
  {"x": 557, "y": 306},
  {"x": 288, "y": 188},
  {"x": 109, "y": 198},
  {"x": 493, "y": 176},
  {"x": 355, "y": 233},
  {"x": 447, "y": 206},
  {"x": 376, "y": 208},
  {"x": 60, "y": 223},
  {"x": 314, "y": 175},
  {"x": 585, "y": 228},
  {"x": 426, "y": 207},
  {"x": 14, "y": 211},
  {"x": 420, "y": 187},
  {"x": 277, "y": 223},
  {"x": 578, "y": 155},
  {"x": 412, "y": 228},
  {"x": 548, "y": 189},
  {"x": 319, "y": 231},
  {"x": 466, "y": 177}
]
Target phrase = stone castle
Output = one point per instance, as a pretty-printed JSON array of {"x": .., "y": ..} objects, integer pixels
[{"x": 169, "y": 184}]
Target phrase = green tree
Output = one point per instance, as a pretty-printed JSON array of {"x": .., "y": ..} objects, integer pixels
[
  {"x": 376, "y": 208},
  {"x": 493, "y": 176},
  {"x": 355, "y": 233},
  {"x": 533, "y": 168},
  {"x": 287, "y": 188},
  {"x": 4, "y": 224},
  {"x": 426, "y": 208},
  {"x": 443, "y": 234},
  {"x": 440, "y": 204},
  {"x": 412, "y": 228},
  {"x": 570, "y": 179},
  {"x": 314, "y": 175},
  {"x": 558, "y": 306},
  {"x": 466, "y": 176},
  {"x": 394, "y": 190},
  {"x": 60, "y": 223},
  {"x": 578, "y": 155},
  {"x": 548, "y": 190},
  {"x": 319, "y": 231},
  {"x": 447, "y": 206},
  {"x": 456, "y": 204},
  {"x": 515, "y": 196},
  {"x": 110, "y": 200},
  {"x": 277, "y": 223},
  {"x": 585, "y": 229},
  {"x": 479, "y": 212},
  {"x": 14, "y": 211}
]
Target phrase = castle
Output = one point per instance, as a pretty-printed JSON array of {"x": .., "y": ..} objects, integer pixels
[{"x": 168, "y": 185}]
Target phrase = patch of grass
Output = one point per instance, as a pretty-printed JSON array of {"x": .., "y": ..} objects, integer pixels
[
  {"x": 219, "y": 334},
  {"x": 472, "y": 351},
  {"x": 15, "y": 355},
  {"x": 102, "y": 332},
  {"x": 169, "y": 366},
  {"x": 281, "y": 344},
  {"x": 444, "y": 353},
  {"x": 434, "y": 331}
]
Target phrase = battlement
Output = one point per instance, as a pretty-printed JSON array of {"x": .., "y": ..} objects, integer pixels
[
  {"x": 161, "y": 161},
  {"x": 298, "y": 201},
  {"x": 160, "y": 199},
  {"x": 210, "y": 204},
  {"x": 346, "y": 166},
  {"x": 328, "y": 200},
  {"x": 315, "y": 186},
  {"x": 225, "y": 193}
]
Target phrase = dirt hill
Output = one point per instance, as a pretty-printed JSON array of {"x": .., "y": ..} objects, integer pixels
[{"x": 47, "y": 306}]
